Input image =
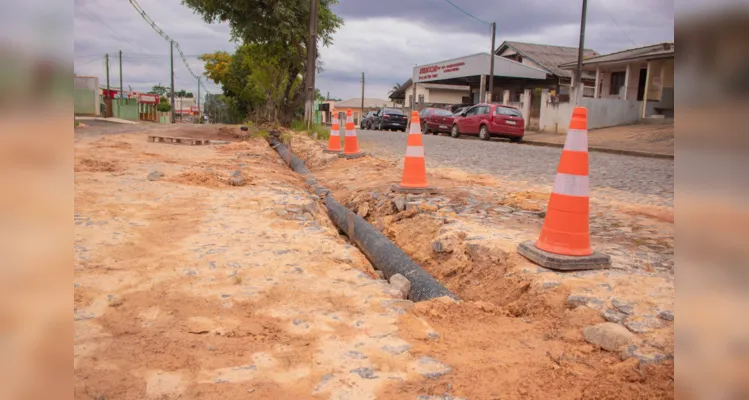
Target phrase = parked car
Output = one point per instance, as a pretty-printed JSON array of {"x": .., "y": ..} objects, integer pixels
[
  {"x": 390, "y": 118},
  {"x": 367, "y": 120},
  {"x": 487, "y": 120},
  {"x": 436, "y": 120}
]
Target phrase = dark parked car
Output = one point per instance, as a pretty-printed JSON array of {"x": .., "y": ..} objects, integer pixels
[
  {"x": 487, "y": 120},
  {"x": 435, "y": 120},
  {"x": 367, "y": 120},
  {"x": 390, "y": 118}
]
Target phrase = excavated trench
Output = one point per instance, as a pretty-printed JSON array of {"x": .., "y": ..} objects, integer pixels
[{"x": 437, "y": 253}]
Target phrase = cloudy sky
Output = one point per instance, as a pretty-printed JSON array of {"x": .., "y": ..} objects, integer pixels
[{"x": 382, "y": 38}]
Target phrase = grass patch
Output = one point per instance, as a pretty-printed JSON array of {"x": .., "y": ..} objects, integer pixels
[
  {"x": 75, "y": 125},
  {"x": 323, "y": 132},
  {"x": 260, "y": 133}
]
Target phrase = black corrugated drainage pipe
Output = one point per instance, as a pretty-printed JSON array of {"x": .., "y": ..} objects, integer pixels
[{"x": 380, "y": 251}]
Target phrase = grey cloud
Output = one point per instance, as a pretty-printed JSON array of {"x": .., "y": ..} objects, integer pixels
[
  {"x": 521, "y": 17},
  {"x": 105, "y": 26}
]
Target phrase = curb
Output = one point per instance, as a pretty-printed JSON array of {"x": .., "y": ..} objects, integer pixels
[
  {"x": 380, "y": 251},
  {"x": 604, "y": 150}
]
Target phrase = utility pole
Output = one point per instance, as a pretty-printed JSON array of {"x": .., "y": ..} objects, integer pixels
[
  {"x": 578, "y": 84},
  {"x": 311, "y": 61},
  {"x": 106, "y": 59},
  {"x": 199, "y": 114},
  {"x": 491, "y": 65},
  {"x": 171, "y": 67},
  {"x": 361, "y": 114},
  {"x": 121, "y": 88}
]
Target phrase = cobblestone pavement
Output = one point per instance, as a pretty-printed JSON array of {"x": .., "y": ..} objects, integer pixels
[{"x": 639, "y": 177}]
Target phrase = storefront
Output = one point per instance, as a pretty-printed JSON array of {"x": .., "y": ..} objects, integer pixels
[{"x": 473, "y": 71}]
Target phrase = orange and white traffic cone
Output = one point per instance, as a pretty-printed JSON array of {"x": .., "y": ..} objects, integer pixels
[
  {"x": 564, "y": 243},
  {"x": 414, "y": 168},
  {"x": 334, "y": 143},
  {"x": 350, "y": 142}
]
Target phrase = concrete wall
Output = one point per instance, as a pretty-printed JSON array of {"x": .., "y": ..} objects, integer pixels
[
  {"x": 555, "y": 117},
  {"x": 445, "y": 96},
  {"x": 164, "y": 117},
  {"x": 86, "y": 96},
  {"x": 125, "y": 109}
]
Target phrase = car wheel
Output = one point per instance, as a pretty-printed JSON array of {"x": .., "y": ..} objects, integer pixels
[
  {"x": 455, "y": 132},
  {"x": 516, "y": 139},
  {"x": 484, "y": 133},
  {"x": 424, "y": 129}
]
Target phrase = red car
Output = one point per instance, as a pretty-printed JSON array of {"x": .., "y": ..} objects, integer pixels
[
  {"x": 487, "y": 120},
  {"x": 436, "y": 120}
]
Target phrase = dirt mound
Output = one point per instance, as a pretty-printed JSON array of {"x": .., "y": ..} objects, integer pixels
[
  {"x": 530, "y": 201},
  {"x": 200, "y": 178},
  {"x": 94, "y": 165},
  {"x": 310, "y": 151},
  {"x": 232, "y": 132}
]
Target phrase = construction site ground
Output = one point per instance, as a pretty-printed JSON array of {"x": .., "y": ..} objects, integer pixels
[{"x": 212, "y": 272}]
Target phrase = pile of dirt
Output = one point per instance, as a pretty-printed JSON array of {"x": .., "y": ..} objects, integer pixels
[
  {"x": 527, "y": 200},
  {"x": 310, "y": 151},
  {"x": 522, "y": 358},
  {"x": 96, "y": 165},
  {"x": 200, "y": 178},
  {"x": 233, "y": 132}
]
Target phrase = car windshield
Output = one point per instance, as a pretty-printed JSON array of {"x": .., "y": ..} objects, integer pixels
[
  {"x": 393, "y": 111},
  {"x": 443, "y": 113}
]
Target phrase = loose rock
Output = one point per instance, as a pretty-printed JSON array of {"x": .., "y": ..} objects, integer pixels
[
  {"x": 402, "y": 284},
  {"x": 613, "y": 315},
  {"x": 366, "y": 373},
  {"x": 431, "y": 368},
  {"x": 363, "y": 210},
  {"x": 608, "y": 335},
  {"x": 236, "y": 173},
  {"x": 667, "y": 315},
  {"x": 399, "y": 203},
  {"x": 237, "y": 181},
  {"x": 644, "y": 355},
  {"x": 155, "y": 175},
  {"x": 623, "y": 306},
  {"x": 643, "y": 323}
]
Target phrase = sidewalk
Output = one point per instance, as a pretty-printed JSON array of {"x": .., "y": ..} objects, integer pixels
[
  {"x": 113, "y": 120},
  {"x": 644, "y": 140}
]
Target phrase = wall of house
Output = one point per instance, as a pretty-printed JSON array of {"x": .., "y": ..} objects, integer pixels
[
  {"x": 125, "y": 109},
  {"x": 555, "y": 117},
  {"x": 445, "y": 96},
  {"x": 86, "y": 96}
]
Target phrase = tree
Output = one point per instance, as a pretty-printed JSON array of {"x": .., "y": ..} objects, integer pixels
[
  {"x": 275, "y": 31},
  {"x": 160, "y": 90},
  {"x": 164, "y": 105},
  {"x": 318, "y": 95},
  {"x": 395, "y": 88}
]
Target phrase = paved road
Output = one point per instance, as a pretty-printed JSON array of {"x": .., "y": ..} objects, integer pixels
[{"x": 636, "y": 175}]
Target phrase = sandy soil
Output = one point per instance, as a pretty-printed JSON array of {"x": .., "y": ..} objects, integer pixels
[
  {"x": 186, "y": 287},
  {"x": 517, "y": 319}
]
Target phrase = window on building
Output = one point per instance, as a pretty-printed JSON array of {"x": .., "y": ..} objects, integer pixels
[
  {"x": 421, "y": 99},
  {"x": 617, "y": 81}
]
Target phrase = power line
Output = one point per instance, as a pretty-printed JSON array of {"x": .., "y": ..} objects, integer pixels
[
  {"x": 112, "y": 31},
  {"x": 169, "y": 39},
  {"x": 616, "y": 23},
  {"x": 466, "y": 12}
]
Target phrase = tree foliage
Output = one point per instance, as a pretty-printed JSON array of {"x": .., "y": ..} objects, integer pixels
[
  {"x": 268, "y": 70},
  {"x": 160, "y": 90}
]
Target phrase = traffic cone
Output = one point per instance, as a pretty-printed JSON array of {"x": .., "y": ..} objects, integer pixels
[
  {"x": 350, "y": 143},
  {"x": 334, "y": 143},
  {"x": 564, "y": 242},
  {"x": 414, "y": 167}
]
